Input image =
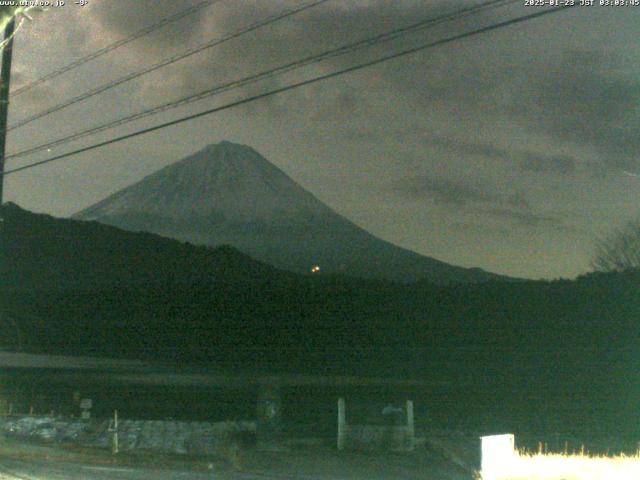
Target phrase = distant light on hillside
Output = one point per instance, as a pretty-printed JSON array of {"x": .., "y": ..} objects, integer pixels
[{"x": 315, "y": 269}]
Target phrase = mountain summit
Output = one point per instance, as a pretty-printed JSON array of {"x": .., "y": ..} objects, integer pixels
[
  {"x": 230, "y": 194},
  {"x": 226, "y": 181}
]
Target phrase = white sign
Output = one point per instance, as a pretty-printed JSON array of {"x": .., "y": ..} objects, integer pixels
[
  {"x": 86, "y": 403},
  {"x": 497, "y": 453}
]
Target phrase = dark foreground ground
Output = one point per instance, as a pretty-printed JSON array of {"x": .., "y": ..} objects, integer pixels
[{"x": 23, "y": 461}]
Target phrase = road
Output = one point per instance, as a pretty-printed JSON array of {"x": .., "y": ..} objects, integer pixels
[
  {"x": 20, "y": 460},
  {"x": 56, "y": 470},
  {"x": 294, "y": 467}
]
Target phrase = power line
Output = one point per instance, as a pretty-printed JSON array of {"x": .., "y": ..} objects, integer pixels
[
  {"x": 349, "y": 48},
  {"x": 192, "y": 51},
  {"x": 109, "y": 48},
  {"x": 296, "y": 85}
]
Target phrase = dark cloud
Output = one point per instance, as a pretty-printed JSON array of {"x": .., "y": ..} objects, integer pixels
[
  {"x": 529, "y": 161},
  {"x": 462, "y": 147},
  {"x": 584, "y": 100},
  {"x": 581, "y": 98},
  {"x": 525, "y": 218},
  {"x": 130, "y": 16},
  {"x": 445, "y": 191},
  {"x": 312, "y": 31},
  {"x": 513, "y": 207},
  {"x": 563, "y": 164}
]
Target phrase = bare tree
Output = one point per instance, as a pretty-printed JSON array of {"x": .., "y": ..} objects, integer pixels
[{"x": 619, "y": 251}]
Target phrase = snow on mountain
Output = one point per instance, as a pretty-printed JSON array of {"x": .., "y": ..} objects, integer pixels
[{"x": 224, "y": 179}]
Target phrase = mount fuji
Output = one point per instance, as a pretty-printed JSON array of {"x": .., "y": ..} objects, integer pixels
[{"x": 230, "y": 194}]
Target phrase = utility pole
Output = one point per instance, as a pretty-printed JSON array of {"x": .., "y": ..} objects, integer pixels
[{"x": 5, "y": 77}]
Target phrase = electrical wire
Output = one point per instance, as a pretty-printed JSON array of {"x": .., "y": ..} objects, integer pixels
[
  {"x": 175, "y": 58},
  {"x": 296, "y": 85},
  {"x": 345, "y": 49}
]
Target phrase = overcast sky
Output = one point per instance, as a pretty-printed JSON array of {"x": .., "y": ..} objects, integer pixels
[{"x": 506, "y": 151}]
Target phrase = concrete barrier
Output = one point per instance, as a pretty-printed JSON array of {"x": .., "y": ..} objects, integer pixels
[{"x": 196, "y": 438}]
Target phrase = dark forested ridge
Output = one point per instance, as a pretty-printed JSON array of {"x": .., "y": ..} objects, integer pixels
[
  {"x": 47, "y": 253},
  {"x": 567, "y": 350}
]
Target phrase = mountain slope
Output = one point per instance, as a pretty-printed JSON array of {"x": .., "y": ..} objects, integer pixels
[{"x": 230, "y": 194}]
